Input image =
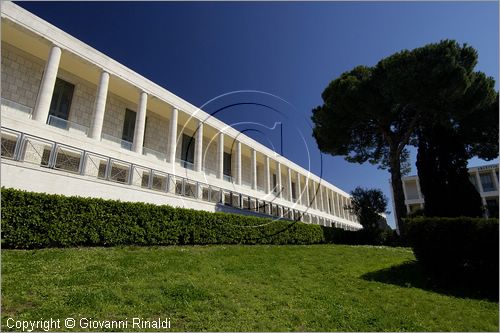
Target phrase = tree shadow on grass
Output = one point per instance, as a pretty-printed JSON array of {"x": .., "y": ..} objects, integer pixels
[{"x": 412, "y": 274}]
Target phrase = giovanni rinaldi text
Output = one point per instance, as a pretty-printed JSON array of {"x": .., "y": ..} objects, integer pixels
[{"x": 87, "y": 323}]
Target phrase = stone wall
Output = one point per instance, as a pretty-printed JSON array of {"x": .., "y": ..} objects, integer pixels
[
  {"x": 21, "y": 75},
  {"x": 114, "y": 116},
  {"x": 156, "y": 135},
  {"x": 210, "y": 154},
  {"x": 246, "y": 169}
]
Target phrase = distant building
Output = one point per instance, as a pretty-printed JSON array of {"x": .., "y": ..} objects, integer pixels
[
  {"x": 76, "y": 122},
  {"x": 484, "y": 178}
]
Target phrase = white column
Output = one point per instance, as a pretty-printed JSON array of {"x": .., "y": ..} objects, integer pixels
[
  {"x": 339, "y": 208},
  {"x": 254, "y": 169},
  {"x": 339, "y": 200},
  {"x": 495, "y": 178},
  {"x": 321, "y": 197},
  {"x": 278, "y": 178},
  {"x": 419, "y": 192},
  {"x": 267, "y": 175},
  {"x": 329, "y": 208},
  {"x": 349, "y": 214},
  {"x": 479, "y": 184},
  {"x": 42, "y": 105},
  {"x": 172, "y": 135},
  {"x": 480, "y": 188},
  {"x": 315, "y": 195},
  {"x": 308, "y": 203},
  {"x": 404, "y": 189},
  {"x": 220, "y": 156},
  {"x": 290, "y": 185},
  {"x": 99, "y": 106},
  {"x": 344, "y": 213},
  {"x": 346, "y": 203},
  {"x": 238, "y": 163},
  {"x": 298, "y": 189},
  {"x": 140, "y": 123},
  {"x": 198, "y": 148}
]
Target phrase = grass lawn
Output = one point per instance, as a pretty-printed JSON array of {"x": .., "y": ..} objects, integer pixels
[{"x": 238, "y": 288}]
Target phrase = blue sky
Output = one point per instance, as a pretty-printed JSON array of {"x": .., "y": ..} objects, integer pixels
[{"x": 289, "y": 51}]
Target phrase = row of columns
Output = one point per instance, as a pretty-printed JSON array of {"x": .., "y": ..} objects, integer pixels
[{"x": 41, "y": 112}]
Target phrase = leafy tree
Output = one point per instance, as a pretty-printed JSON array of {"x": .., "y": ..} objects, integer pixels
[
  {"x": 373, "y": 113},
  {"x": 462, "y": 128},
  {"x": 369, "y": 205},
  {"x": 443, "y": 175}
]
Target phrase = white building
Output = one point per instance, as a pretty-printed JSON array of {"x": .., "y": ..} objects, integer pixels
[
  {"x": 76, "y": 122},
  {"x": 484, "y": 178}
]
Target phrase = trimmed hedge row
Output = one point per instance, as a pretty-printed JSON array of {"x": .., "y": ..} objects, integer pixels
[
  {"x": 362, "y": 237},
  {"x": 38, "y": 220},
  {"x": 456, "y": 246}
]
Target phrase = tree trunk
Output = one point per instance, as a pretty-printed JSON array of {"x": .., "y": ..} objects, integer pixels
[{"x": 397, "y": 190}]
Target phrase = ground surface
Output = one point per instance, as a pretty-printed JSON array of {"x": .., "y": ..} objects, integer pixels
[{"x": 237, "y": 288}]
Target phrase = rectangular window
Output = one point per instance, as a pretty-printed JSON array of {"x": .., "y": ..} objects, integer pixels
[
  {"x": 129, "y": 126},
  {"x": 61, "y": 101},
  {"x": 294, "y": 191},
  {"x": 187, "y": 152},
  {"x": 487, "y": 182},
  {"x": 227, "y": 164},
  {"x": 275, "y": 184}
]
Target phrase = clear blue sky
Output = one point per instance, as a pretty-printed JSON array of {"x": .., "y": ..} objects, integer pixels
[{"x": 291, "y": 50}]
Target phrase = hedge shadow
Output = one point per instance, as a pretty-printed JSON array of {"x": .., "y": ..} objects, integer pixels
[{"x": 412, "y": 274}]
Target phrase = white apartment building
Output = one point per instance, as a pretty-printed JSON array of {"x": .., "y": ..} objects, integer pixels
[
  {"x": 484, "y": 178},
  {"x": 76, "y": 122}
]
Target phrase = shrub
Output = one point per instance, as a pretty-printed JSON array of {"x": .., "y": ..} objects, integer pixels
[
  {"x": 456, "y": 248},
  {"x": 341, "y": 236},
  {"x": 362, "y": 237},
  {"x": 38, "y": 220}
]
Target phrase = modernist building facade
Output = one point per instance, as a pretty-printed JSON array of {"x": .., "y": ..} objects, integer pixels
[
  {"x": 484, "y": 178},
  {"x": 76, "y": 122}
]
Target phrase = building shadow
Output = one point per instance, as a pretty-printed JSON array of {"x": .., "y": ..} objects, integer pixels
[{"x": 412, "y": 274}]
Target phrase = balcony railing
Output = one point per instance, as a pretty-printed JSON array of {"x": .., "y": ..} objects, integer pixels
[
  {"x": 57, "y": 156},
  {"x": 185, "y": 164},
  {"x": 228, "y": 178},
  {"x": 67, "y": 125},
  {"x": 124, "y": 144},
  {"x": 8, "y": 104}
]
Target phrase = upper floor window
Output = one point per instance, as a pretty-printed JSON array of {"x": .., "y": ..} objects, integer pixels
[
  {"x": 227, "y": 164},
  {"x": 275, "y": 183},
  {"x": 294, "y": 191},
  {"x": 129, "y": 126},
  {"x": 187, "y": 152},
  {"x": 487, "y": 182},
  {"x": 61, "y": 101}
]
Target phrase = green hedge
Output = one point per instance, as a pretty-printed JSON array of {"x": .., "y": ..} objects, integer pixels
[
  {"x": 453, "y": 247},
  {"x": 362, "y": 237},
  {"x": 38, "y": 220}
]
